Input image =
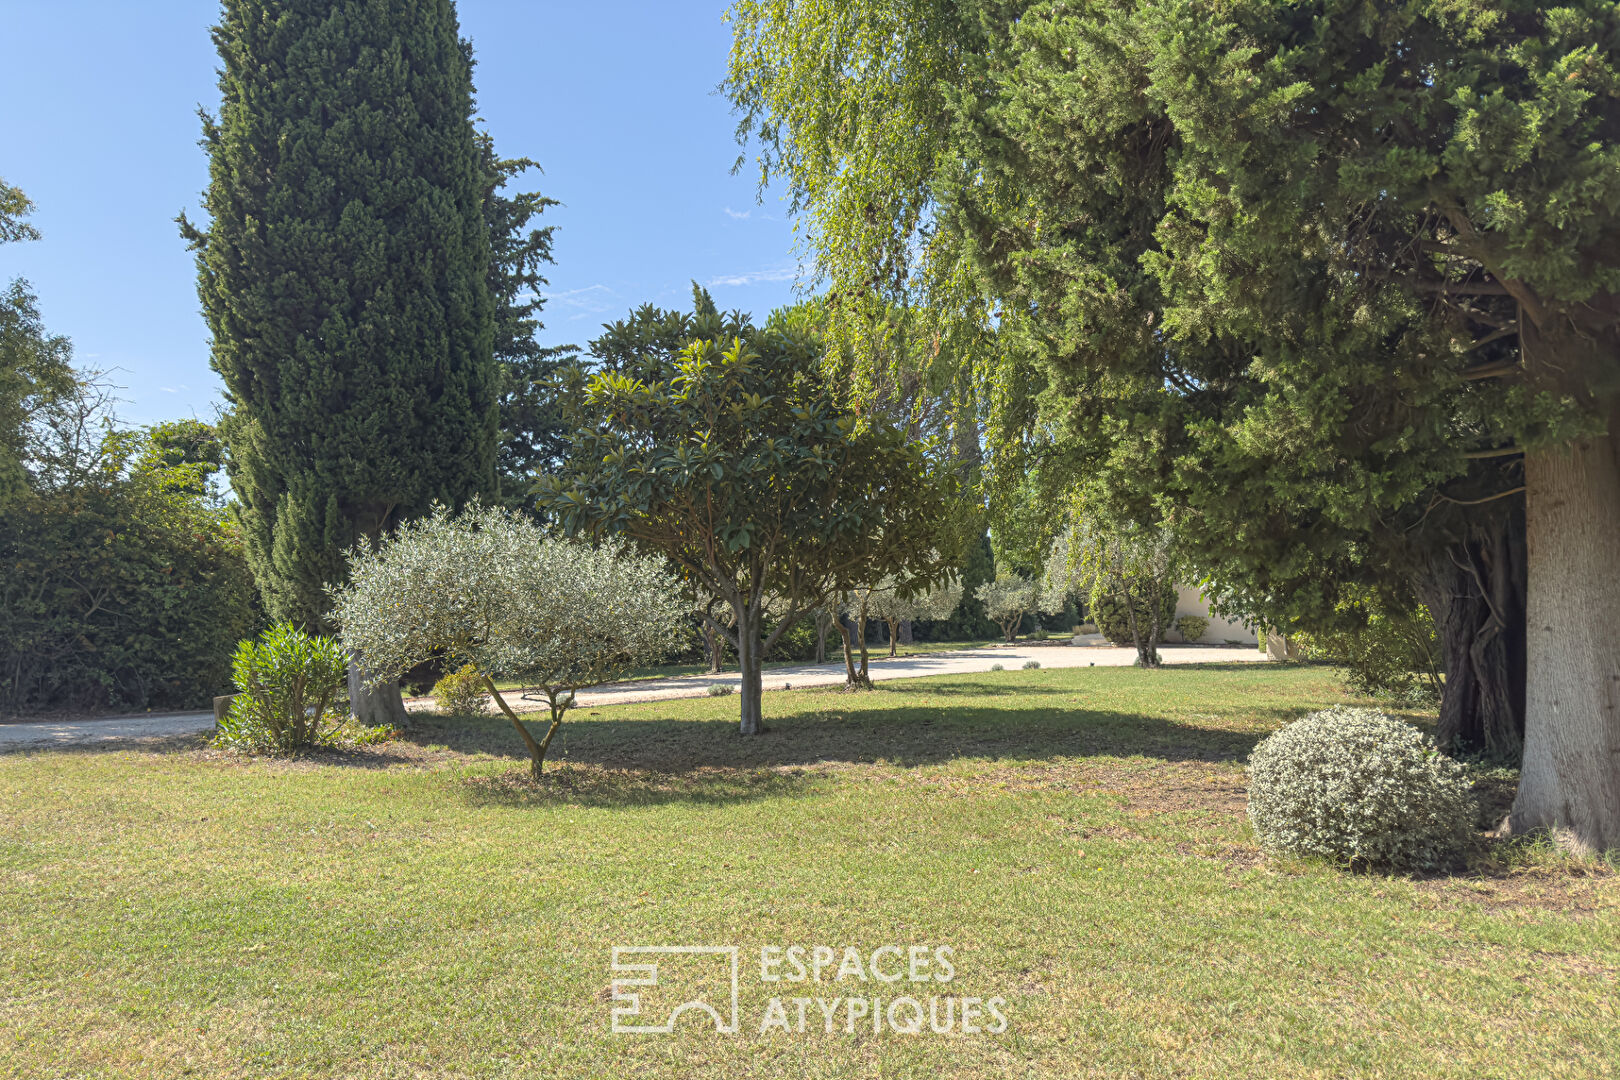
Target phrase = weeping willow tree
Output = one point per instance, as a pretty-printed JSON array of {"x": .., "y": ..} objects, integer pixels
[{"x": 1334, "y": 287}]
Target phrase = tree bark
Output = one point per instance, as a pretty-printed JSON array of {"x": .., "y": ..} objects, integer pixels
[
  {"x": 894, "y": 634},
  {"x": 824, "y": 623},
  {"x": 749, "y": 661},
  {"x": 906, "y": 637},
  {"x": 1475, "y": 589},
  {"x": 716, "y": 646},
  {"x": 1570, "y": 783},
  {"x": 373, "y": 706},
  {"x": 853, "y": 680},
  {"x": 537, "y": 751}
]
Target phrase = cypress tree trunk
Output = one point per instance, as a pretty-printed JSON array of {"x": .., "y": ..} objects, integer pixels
[
  {"x": 374, "y": 705},
  {"x": 1476, "y": 590},
  {"x": 1571, "y": 777}
]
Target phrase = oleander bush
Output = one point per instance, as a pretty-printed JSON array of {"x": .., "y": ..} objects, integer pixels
[
  {"x": 1358, "y": 787},
  {"x": 289, "y": 690}
]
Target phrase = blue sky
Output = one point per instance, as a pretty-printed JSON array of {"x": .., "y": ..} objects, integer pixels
[{"x": 614, "y": 99}]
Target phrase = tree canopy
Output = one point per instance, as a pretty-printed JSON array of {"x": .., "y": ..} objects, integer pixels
[
  {"x": 717, "y": 444},
  {"x": 345, "y": 275},
  {"x": 1330, "y": 288},
  {"x": 491, "y": 589}
]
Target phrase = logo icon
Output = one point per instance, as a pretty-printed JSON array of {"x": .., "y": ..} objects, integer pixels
[{"x": 627, "y": 1007}]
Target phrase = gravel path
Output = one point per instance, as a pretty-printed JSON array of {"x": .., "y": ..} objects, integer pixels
[{"x": 798, "y": 676}]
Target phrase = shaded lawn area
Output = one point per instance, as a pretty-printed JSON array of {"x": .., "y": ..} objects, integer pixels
[{"x": 1075, "y": 836}]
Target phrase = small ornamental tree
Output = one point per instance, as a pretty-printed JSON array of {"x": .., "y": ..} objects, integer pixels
[
  {"x": 491, "y": 589},
  {"x": 1128, "y": 575},
  {"x": 718, "y": 444},
  {"x": 1007, "y": 600},
  {"x": 894, "y": 607}
]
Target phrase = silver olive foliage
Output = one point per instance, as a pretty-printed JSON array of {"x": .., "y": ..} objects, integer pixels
[{"x": 493, "y": 590}]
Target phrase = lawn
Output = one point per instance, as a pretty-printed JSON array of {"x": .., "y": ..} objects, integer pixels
[{"x": 1075, "y": 837}]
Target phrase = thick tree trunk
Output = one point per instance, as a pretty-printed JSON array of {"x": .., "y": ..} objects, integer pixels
[
  {"x": 374, "y": 705},
  {"x": 1475, "y": 589},
  {"x": 750, "y": 645},
  {"x": 1570, "y": 782},
  {"x": 906, "y": 637}
]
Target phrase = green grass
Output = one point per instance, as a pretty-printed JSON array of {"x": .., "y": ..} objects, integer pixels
[{"x": 419, "y": 909}]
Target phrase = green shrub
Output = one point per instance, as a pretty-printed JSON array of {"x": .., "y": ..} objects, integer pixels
[
  {"x": 998, "y": 667},
  {"x": 1386, "y": 649},
  {"x": 287, "y": 683},
  {"x": 1031, "y": 665},
  {"x": 1358, "y": 787},
  {"x": 720, "y": 689},
  {"x": 461, "y": 693},
  {"x": 1114, "y": 619},
  {"x": 1039, "y": 634},
  {"x": 124, "y": 583},
  {"x": 1192, "y": 627}
]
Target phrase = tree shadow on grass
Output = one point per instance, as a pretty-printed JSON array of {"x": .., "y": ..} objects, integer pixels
[
  {"x": 815, "y": 729},
  {"x": 580, "y": 784}
]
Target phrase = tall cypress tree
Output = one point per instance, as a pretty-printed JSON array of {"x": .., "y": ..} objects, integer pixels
[{"x": 345, "y": 276}]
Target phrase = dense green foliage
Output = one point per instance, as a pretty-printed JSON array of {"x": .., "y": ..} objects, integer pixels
[
  {"x": 718, "y": 444},
  {"x": 1113, "y": 618},
  {"x": 461, "y": 692},
  {"x": 287, "y": 687},
  {"x": 1392, "y": 650},
  {"x": 1324, "y": 286},
  {"x": 345, "y": 275},
  {"x": 35, "y": 366},
  {"x": 125, "y": 585},
  {"x": 1361, "y": 788},
  {"x": 1133, "y": 186},
  {"x": 531, "y": 439}
]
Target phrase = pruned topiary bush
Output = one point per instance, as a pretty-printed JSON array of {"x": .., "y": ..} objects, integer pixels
[
  {"x": 1359, "y": 787},
  {"x": 1192, "y": 627},
  {"x": 1114, "y": 619}
]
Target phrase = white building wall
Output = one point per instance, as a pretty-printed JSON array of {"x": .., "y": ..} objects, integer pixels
[{"x": 1189, "y": 601}]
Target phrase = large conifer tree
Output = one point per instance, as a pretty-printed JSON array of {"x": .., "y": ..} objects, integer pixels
[{"x": 345, "y": 276}]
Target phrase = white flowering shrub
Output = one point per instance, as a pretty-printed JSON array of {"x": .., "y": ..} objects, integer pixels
[
  {"x": 1358, "y": 787},
  {"x": 493, "y": 590}
]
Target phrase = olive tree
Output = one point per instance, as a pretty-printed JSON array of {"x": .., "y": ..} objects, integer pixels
[
  {"x": 491, "y": 589},
  {"x": 1128, "y": 567},
  {"x": 894, "y": 606},
  {"x": 1007, "y": 600}
]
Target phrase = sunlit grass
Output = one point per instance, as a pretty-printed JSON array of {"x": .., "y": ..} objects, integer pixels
[{"x": 1076, "y": 836}]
